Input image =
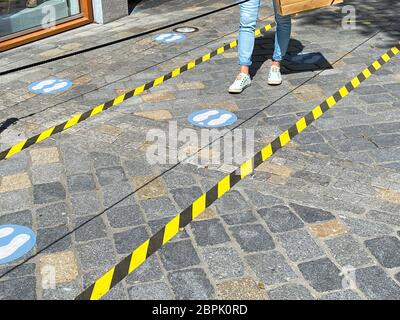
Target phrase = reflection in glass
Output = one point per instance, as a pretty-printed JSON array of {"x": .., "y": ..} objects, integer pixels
[{"x": 22, "y": 15}]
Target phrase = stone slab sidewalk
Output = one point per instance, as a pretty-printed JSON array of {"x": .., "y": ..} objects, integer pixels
[{"x": 320, "y": 220}]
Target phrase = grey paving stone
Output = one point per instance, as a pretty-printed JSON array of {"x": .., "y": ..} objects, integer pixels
[
  {"x": 174, "y": 179},
  {"x": 389, "y": 154},
  {"x": 101, "y": 159},
  {"x": 23, "y": 218},
  {"x": 158, "y": 208},
  {"x": 391, "y": 127},
  {"x": 23, "y": 270},
  {"x": 191, "y": 284},
  {"x": 378, "y": 98},
  {"x": 376, "y": 284},
  {"x": 393, "y": 219},
  {"x": 341, "y": 295},
  {"x": 321, "y": 148},
  {"x": 354, "y": 144},
  {"x": 18, "y": 289},
  {"x": 127, "y": 241},
  {"x": 150, "y": 270},
  {"x": 110, "y": 175},
  {"x": 51, "y": 172},
  {"x": 331, "y": 135},
  {"x": 309, "y": 138},
  {"x": 322, "y": 274},
  {"x": 311, "y": 215},
  {"x": 299, "y": 245},
  {"x": 253, "y": 238},
  {"x": 91, "y": 227},
  {"x": 51, "y": 236},
  {"x": 223, "y": 262},
  {"x": 387, "y": 140},
  {"x": 118, "y": 194},
  {"x": 386, "y": 250},
  {"x": 81, "y": 182},
  {"x": 52, "y": 215},
  {"x": 48, "y": 192},
  {"x": 280, "y": 219},
  {"x": 231, "y": 201},
  {"x": 150, "y": 291},
  {"x": 117, "y": 293},
  {"x": 64, "y": 291},
  {"x": 261, "y": 176},
  {"x": 75, "y": 162},
  {"x": 209, "y": 232},
  {"x": 271, "y": 267},
  {"x": 239, "y": 217},
  {"x": 185, "y": 196},
  {"x": 179, "y": 255},
  {"x": 397, "y": 277},
  {"x": 312, "y": 177},
  {"x": 393, "y": 165},
  {"x": 366, "y": 229},
  {"x": 16, "y": 200},
  {"x": 128, "y": 216},
  {"x": 85, "y": 203},
  {"x": 260, "y": 200},
  {"x": 290, "y": 292},
  {"x": 137, "y": 167},
  {"x": 17, "y": 163},
  {"x": 392, "y": 86},
  {"x": 358, "y": 131},
  {"x": 97, "y": 254},
  {"x": 347, "y": 251},
  {"x": 371, "y": 89}
]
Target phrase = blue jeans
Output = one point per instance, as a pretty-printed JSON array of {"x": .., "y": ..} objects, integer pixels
[{"x": 248, "y": 20}]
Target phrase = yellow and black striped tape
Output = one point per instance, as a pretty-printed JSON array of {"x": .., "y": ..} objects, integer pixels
[
  {"x": 74, "y": 120},
  {"x": 147, "y": 248}
]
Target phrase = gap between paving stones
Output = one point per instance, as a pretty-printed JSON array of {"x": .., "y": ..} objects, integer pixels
[
  {"x": 131, "y": 262},
  {"x": 174, "y": 166}
]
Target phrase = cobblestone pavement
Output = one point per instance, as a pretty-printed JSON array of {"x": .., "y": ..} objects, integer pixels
[{"x": 320, "y": 220}]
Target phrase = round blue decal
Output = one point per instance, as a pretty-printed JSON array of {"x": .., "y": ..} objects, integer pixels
[
  {"x": 171, "y": 37},
  {"x": 49, "y": 86},
  {"x": 212, "y": 118},
  {"x": 15, "y": 241}
]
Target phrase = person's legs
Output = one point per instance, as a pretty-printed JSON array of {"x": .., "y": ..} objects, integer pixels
[
  {"x": 282, "y": 35},
  {"x": 282, "y": 38},
  {"x": 248, "y": 21}
]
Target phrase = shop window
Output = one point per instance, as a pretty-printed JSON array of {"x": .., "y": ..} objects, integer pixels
[{"x": 39, "y": 18}]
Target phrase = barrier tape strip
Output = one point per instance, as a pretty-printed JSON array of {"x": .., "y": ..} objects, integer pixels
[
  {"x": 74, "y": 120},
  {"x": 130, "y": 263}
]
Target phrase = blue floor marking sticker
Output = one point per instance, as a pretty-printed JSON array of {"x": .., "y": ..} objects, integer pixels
[
  {"x": 15, "y": 241},
  {"x": 49, "y": 86},
  {"x": 212, "y": 118}
]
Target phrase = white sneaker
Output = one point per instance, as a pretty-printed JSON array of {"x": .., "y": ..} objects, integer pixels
[
  {"x": 275, "y": 77},
  {"x": 242, "y": 82}
]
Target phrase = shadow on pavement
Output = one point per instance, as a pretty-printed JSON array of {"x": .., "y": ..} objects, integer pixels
[
  {"x": 7, "y": 123},
  {"x": 371, "y": 16},
  {"x": 295, "y": 60}
]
